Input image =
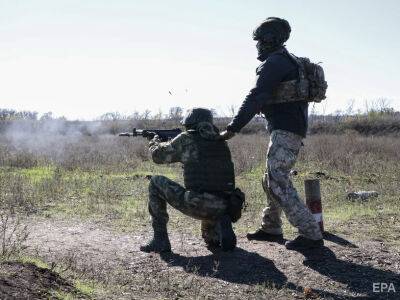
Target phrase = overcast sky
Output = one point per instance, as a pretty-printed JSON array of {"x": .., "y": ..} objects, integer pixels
[{"x": 81, "y": 58}]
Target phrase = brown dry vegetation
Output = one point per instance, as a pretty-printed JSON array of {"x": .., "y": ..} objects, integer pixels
[{"x": 94, "y": 183}]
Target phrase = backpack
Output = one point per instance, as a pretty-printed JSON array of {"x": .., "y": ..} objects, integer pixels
[{"x": 311, "y": 85}]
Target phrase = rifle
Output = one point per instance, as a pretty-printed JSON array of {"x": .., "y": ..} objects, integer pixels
[{"x": 163, "y": 134}]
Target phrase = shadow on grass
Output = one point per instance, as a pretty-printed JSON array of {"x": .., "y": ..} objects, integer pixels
[{"x": 358, "y": 278}]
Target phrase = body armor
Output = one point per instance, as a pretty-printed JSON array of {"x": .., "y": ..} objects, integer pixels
[{"x": 212, "y": 170}]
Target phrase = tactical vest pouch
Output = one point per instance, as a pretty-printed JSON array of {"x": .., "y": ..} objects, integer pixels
[{"x": 236, "y": 204}]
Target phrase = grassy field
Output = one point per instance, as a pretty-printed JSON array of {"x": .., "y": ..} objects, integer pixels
[{"x": 101, "y": 180}]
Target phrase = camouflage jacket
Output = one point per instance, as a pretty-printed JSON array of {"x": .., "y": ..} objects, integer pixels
[{"x": 181, "y": 148}]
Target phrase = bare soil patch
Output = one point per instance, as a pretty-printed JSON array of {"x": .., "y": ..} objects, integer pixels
[
  {"x": 255, "y": 270},
  {"x": 27, "y": 281}
]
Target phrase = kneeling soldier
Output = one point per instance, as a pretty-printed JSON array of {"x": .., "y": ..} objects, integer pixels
[{"x": 209, "y": 193}]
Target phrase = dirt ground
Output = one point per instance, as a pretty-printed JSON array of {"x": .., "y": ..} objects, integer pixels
[
  {"x": 255, "y": 270},
  {"x": 27, "y": 281}
]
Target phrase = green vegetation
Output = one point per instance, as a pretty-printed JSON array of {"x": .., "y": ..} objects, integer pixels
[{"x": 33, "y": 260}]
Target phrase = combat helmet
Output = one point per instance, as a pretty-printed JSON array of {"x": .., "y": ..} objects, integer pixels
[
  {"x": 197, "y": 115},
  {"x": 274, "y": 31}
]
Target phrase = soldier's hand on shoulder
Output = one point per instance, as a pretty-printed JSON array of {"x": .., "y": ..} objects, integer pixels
[{"x": 226, "y": 135}]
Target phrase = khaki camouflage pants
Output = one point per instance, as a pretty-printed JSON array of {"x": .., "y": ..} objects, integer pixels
[
  {"x": 203, "y": 206},
  {"x": 282, "y": 154}
]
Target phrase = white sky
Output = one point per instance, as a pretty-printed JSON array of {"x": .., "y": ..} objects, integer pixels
[{"x": 81, "y": 59}]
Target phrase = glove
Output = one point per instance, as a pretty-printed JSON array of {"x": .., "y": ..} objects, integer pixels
[
  {"x": 226, "y": 135},
  {"x": 155, "y": 140}
]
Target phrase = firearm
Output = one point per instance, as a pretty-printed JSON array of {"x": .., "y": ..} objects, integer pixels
[{"x": 163, "y": 134}]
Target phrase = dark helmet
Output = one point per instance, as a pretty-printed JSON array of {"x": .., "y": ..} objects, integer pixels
[
  {"x": 197, "y": 115},
  {"x": 274, "y": 31}
]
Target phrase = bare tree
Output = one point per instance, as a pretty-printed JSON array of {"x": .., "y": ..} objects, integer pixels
[
  {"x": 175, "y": 113},
  {"x": 350, "y": 107},
  {"x": 47, "y": 116},
  {"x": 111, "y": 116},
  {"x": 146, "y": 114}
]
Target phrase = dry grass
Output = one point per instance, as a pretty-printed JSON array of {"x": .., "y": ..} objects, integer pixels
[
  {"x": 89, "y": 153},
  {"x": 248, "y": 151},
  {"x": 14, "y": 207},
  {"x": 352, "y": 153}
]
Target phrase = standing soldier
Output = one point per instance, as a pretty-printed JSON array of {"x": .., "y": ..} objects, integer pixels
[
  {"x": 209, "y": 193},
  {"x": 287, "y": 124}
]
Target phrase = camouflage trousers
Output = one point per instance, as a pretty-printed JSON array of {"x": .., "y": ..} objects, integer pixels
[
  {"x": 202, "y": 206},
  {"x": 282, "y": 154}
]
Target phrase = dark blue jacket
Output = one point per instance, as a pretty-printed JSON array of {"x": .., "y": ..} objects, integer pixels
[{"x": 293, "y": 117}]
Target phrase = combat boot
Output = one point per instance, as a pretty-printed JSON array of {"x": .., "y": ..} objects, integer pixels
[
  {"x": 303, "y": 243},
  {"x": 159, "y": 244},
  {"x": 261, "y": 235},
  {"x": 227, "y": 237},
  {"x": 212, "y": 245}
]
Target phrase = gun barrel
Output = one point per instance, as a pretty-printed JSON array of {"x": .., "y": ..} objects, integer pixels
[{"x": 125, "y": 134}]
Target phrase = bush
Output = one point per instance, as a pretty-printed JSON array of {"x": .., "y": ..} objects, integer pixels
[{"x": 369, "y": 124}]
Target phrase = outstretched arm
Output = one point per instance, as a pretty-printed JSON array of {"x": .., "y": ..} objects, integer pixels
[
  {"x": 167, "y": 152},
  {"x": 269, "y": 75}
]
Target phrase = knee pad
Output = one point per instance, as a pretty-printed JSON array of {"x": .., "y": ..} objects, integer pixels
[
  {"x": 154, "y": 184},
  {"x": 157, "y": 180}
]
